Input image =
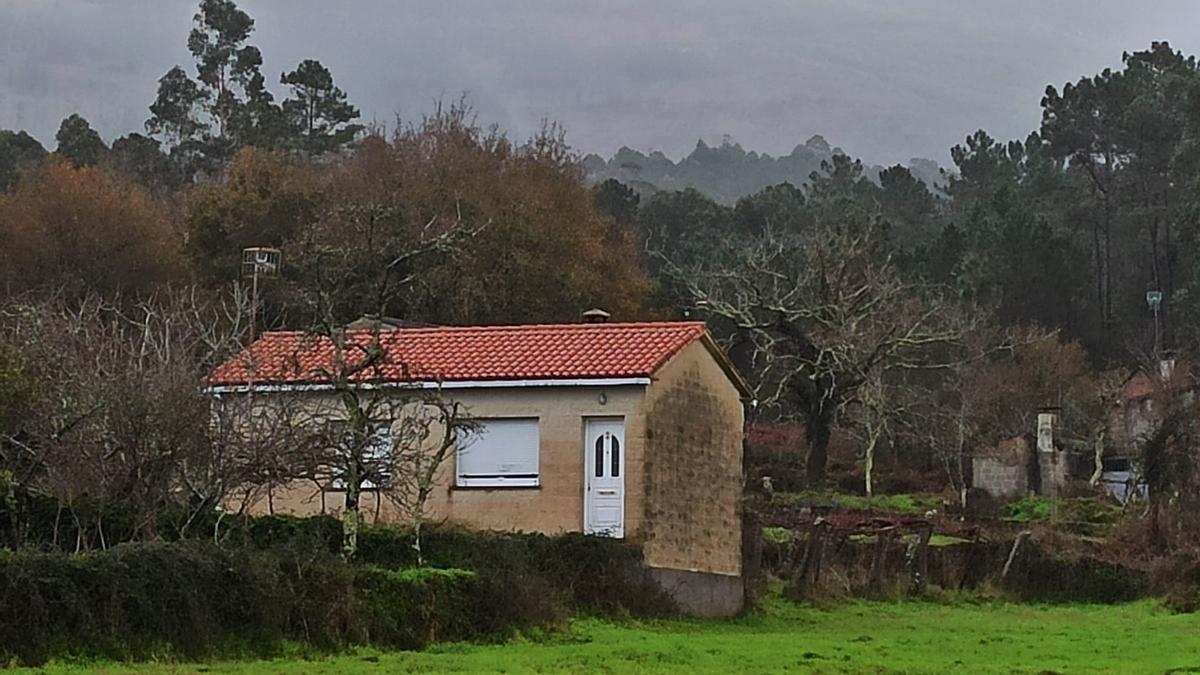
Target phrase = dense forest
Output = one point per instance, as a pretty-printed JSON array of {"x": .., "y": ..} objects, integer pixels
[{"x": 922, "y": 323}]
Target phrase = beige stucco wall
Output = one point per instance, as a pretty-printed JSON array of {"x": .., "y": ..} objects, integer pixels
[
  {"x": 556, "y": 505},
  {"x": 693, "y": 473}
]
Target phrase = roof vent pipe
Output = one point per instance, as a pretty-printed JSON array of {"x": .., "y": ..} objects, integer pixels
[{"x": 596, "y": 315}]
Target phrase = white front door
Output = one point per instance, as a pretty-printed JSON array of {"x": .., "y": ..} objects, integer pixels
[{"x": 604, "y": 486}]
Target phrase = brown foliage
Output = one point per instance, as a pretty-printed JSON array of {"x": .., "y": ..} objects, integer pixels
[
  {"x": 84, "y": 230},
  {"x": 1008, "y": 389},
  {"x": 543, "y": 254},
  {"x": 264, "y": 200}
]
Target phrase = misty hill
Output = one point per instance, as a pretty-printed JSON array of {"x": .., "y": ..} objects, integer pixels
[{"x": 727, "y": 172}]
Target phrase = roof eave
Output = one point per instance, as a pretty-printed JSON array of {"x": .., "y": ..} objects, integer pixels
[{"x": 240, "y": 388}]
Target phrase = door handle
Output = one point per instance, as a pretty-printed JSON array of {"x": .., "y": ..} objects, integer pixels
[{"x": 607, "y": 492}]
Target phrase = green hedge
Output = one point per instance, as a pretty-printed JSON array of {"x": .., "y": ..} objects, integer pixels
[
  {"x": 588, "y": 574},
  {"x": 280, "y": 579},
  {"x": 571, "y": 572},
  {"x": 192, "y": 600},
  {"x": 137, "y": 600},
  {"x": 414, "y": 607}
]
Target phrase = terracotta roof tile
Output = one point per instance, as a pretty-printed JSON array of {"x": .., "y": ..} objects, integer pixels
[{"x": 552, "y": 351}]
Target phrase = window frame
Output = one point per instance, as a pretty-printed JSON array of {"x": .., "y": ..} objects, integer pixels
[{"x": 495, "y": 480}]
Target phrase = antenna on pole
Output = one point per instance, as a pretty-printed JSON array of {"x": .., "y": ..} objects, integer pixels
[{"x": 259, "y": 262}]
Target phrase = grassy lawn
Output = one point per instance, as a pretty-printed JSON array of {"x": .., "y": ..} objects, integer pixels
[
  {"x": 855, "y": 637},
  {"x": 911, "y": 504}
]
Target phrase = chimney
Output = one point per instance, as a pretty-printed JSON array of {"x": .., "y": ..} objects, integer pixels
[
  {"x": 1047, "y": 423},
  {"x": 376, "y": 322},
  {"x": 596, "y": 315}
]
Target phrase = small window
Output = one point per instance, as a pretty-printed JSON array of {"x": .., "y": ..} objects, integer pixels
[
  {"x": 616, "y": 457},
  {"x": 500, "y": 453},
  {"x": 376, "y": 454},
  {"x": 599, "y": 457},
  {"x": 1116, "y": 464}
]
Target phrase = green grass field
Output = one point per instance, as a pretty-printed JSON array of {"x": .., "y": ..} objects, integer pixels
[{"x": 851, "y": 637}]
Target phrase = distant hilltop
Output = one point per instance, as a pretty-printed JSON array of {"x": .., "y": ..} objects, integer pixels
[{"x": 727, "y": 172}]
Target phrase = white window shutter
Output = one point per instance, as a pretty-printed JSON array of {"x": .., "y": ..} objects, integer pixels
[{"x": 502, "y": 453}]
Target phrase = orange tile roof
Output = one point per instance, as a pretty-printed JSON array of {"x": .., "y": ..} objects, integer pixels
[{"x": 448, "y": 354}]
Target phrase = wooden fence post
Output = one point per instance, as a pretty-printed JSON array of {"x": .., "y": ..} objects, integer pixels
[
  {"x": 884, "y": 539},
  {"x": 921, "y": 566},
  {"x": 809, "y": 570},
  {"x": 1012, "y": 554}
]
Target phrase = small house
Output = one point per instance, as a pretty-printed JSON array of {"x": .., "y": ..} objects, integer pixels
[{"x": 629, "y": 430}]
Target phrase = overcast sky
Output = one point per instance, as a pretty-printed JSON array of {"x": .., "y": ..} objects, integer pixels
[{"x": 886, "y": 80}]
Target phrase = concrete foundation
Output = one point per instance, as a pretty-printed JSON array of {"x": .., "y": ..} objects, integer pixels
[{"x": 701, "y": 594}]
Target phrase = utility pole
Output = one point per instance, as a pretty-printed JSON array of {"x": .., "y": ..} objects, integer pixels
[
  {"x": 1154, "y": 300},
  {"x": 257, "y": 261}
]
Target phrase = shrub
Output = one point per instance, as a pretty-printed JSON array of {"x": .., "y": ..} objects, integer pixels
[
  {"x": 1043, "y": 576},
  {"x": 194, "y": 600},
  {"x": 280, "y": 579},
  {"x": 1078, "y": 510},
  {"x": 413, "y": 607},
  {"x": 1029, "y": 509},
  {"x": 136, "y": 600},
  {"x": 778, "y": 536},
  {"x": 532, "y": 575}
]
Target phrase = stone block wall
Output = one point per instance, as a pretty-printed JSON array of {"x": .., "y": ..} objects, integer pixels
[
  {"x": 1015, "y": 469},
  {"x": 998, "y": 478},
  {"x": 693, "y": 470}
]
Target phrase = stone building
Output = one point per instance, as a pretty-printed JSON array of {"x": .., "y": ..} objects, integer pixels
[
  {"x": 629, "y": 430},
  {"x": 1035, "y": 463}
]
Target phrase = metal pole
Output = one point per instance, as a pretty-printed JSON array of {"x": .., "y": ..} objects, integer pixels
[
  {"x": 1157, "y": 333},
  {"x": 253, "y": 300}
]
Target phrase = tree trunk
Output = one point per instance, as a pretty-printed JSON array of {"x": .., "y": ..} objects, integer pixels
[
  {"x": 808, "y": 574},
  {"x": 350, "y": 518},
  {"x": 960, "y": 468},
  {"x": 869, "y": 461},
  {"x": 1097, "y": 458},
  {"x": 418, "y": 519},
  {"x": 12, "y": 506},
  {"x": 817, "y": 434}
]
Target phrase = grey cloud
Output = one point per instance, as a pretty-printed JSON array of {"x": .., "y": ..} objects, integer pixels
[{"x": 884, "y": 79}]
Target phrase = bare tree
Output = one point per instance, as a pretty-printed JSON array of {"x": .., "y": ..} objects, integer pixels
[
  {"x": 395, "y": 447},
  {"x": 262, "y": 443},
  {"x": 829, "y": 320},
  {"x": 364, "y": 256},
  {"x": 118, "y": 420},
  {"x": 1094, "y": 409}
]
